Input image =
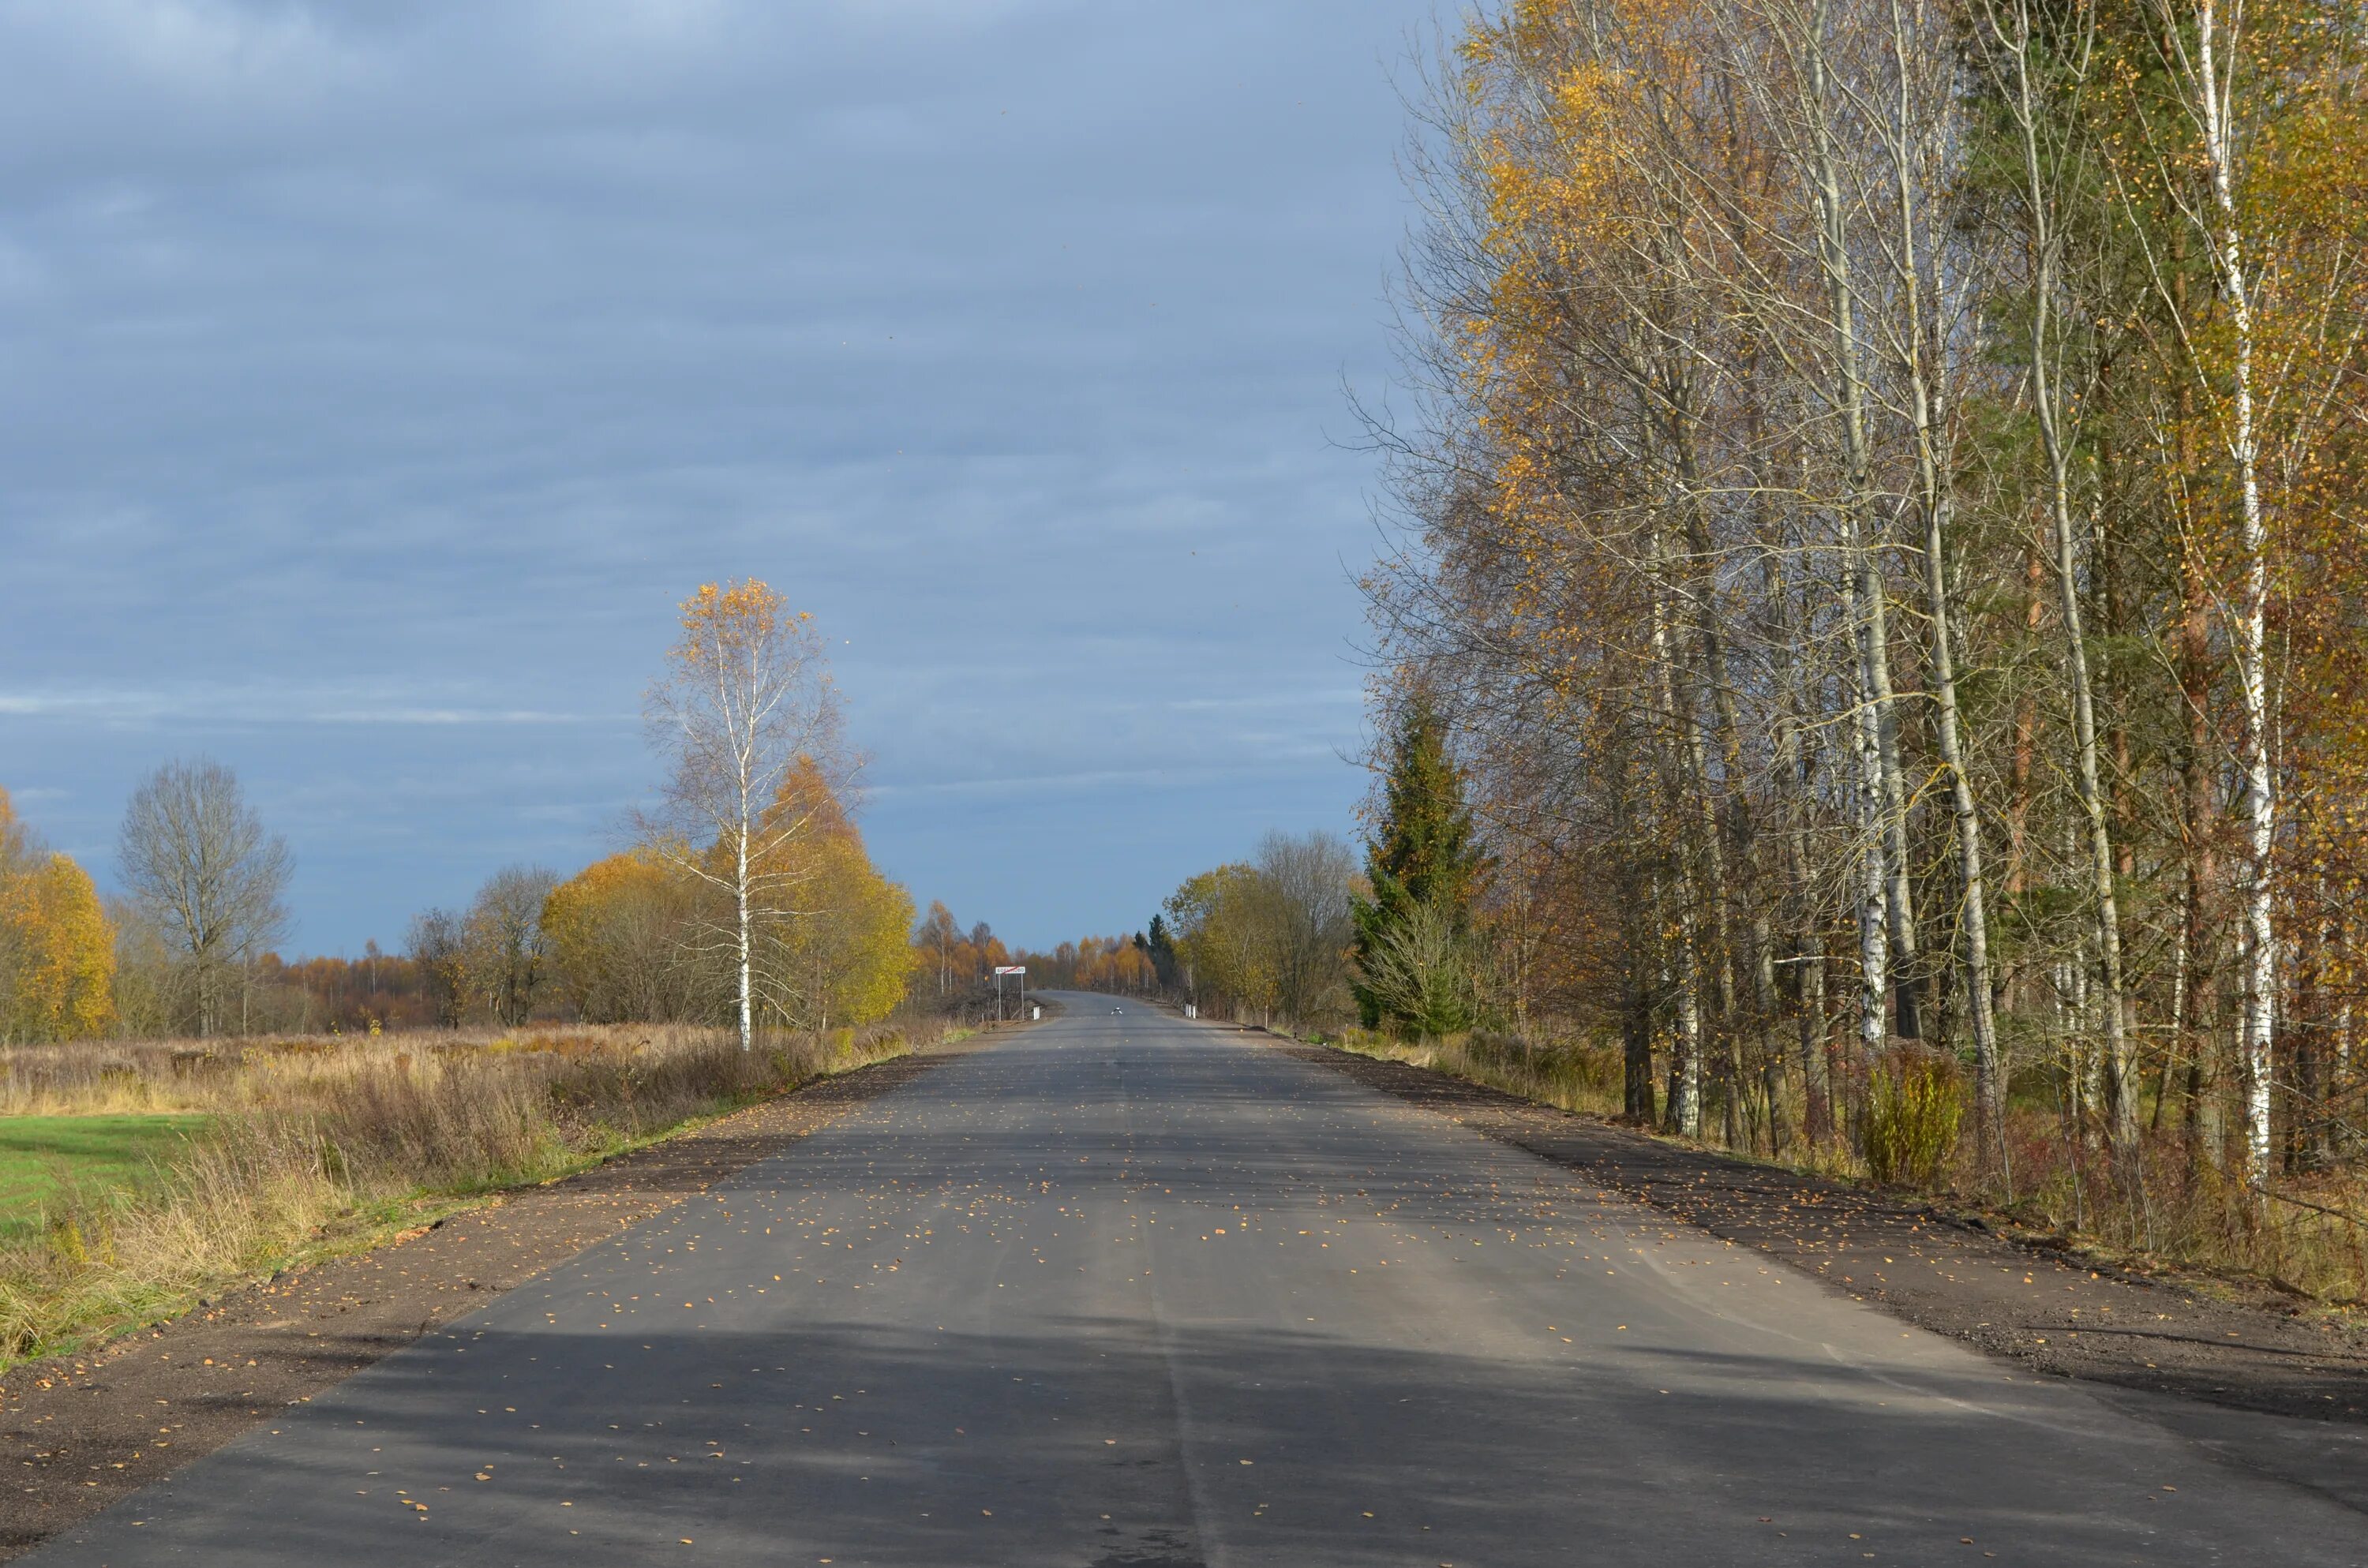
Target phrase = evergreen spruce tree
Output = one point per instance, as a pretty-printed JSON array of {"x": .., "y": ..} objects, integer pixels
[
  {"x": 1421, "y": 852},
  {"x": 1161, "y": 950}
]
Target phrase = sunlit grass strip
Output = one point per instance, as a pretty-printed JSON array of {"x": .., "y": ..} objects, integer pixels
[{"x": 340, "y": 1155}]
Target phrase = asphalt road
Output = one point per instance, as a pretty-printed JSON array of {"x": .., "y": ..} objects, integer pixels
[{"x": 1128, "y": 1291}]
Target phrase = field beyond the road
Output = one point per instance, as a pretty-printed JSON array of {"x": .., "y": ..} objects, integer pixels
[
  {"x": 137, "y": 1177},
  {"x": 47, "y": 1161}
]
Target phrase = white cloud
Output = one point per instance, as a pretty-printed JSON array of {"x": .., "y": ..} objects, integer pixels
[{"x": 184, "y": 708}]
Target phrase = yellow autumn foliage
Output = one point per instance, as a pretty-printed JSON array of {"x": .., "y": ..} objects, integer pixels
[
  {"x": 57, "y": 947},
  {"x": 619, "y": 932},
  {"x": 838, "y": 958},
  {"x": 637, "y": 937}
]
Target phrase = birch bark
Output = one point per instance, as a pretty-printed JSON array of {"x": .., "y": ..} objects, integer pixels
[{"x": 2213, "y": 85}]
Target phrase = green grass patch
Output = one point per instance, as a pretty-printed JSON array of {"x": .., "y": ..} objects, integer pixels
[{"x": 46, "y": 1158}]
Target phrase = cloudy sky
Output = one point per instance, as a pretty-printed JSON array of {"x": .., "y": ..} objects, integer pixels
[{"x": 376, "y": 374}]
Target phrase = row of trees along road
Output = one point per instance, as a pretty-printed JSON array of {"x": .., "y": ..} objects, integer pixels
[
  {"x": 1884, "y": 539},
  {"x": 950, "y": 964},
  {"x": 1122, "y": 964},
  {"x": 948, "y": 960}
]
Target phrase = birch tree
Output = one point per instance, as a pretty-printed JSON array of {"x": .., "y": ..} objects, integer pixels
[
  {"x": 2255, "y": 170},
  {"x": 2038, "y": 76},
  {"x": 746, "y": 701},
  {"x": 1860, "y": 434}
]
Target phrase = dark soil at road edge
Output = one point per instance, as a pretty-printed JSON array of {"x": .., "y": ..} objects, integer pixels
[
  {"x": 82, "y": 1432},
  {"x": 1939, "y": 1272}
]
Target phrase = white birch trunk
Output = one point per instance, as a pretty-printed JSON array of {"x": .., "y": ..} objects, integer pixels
[
  {"x": 1866, "y": 794},
  {"x": 1928, "y": 408},
  {"x": 2261, "y": 969},
  {"x": 747, "y": 981},
  {"x": 1685, "y": 1079},
  {"x": 1889, "y": 795},
  {"x": 1685, "y": 1073}
]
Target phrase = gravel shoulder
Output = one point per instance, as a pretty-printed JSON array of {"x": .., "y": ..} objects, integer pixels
[
  {"x": 1952, "y": 1276},
  {"x": 80, "y": 1432}
]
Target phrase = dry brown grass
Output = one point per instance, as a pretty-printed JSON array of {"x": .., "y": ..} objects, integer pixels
[
  {"x": 326, "y": 1142},
  {"x": 96, "y": 1077},
  {"x": 1570, "y": 1074},
  {"x": 2306, "y": 1237}
]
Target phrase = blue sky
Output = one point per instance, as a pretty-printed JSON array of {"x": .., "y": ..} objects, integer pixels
[{"x": 375, "y": 376}]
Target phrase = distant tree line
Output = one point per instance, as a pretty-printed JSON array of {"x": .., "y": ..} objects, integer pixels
[
  {"x": 947, "y": 960},
  {"x": 1117, "y": 964},
  {"x": 950, "y": 963},
  {"x": 747, "y": 899}
]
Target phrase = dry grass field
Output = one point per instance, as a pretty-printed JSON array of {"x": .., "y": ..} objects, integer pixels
[{"x": 143, "y": 1174}]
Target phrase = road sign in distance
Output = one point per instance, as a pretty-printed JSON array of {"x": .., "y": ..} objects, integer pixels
[{"x": 1011, "y": 969}]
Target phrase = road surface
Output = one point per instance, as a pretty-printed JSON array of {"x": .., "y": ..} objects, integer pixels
[{"x": 1124, "y": 1289}]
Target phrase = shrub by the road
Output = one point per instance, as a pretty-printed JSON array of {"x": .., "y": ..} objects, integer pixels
[{"x": 1907, "y": 1125}]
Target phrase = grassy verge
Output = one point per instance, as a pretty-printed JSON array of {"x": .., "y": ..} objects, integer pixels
[
  {"x": 2158, "y": 1211},
  {"x": 284, "y": 1152},
  {"x": 1571, "y": 1077}
]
